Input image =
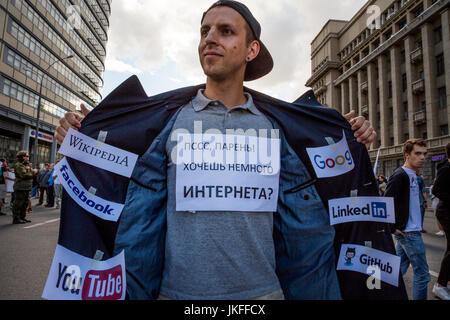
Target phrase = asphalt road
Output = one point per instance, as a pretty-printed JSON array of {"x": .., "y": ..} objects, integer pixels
[{"x": 26, "y": 253}]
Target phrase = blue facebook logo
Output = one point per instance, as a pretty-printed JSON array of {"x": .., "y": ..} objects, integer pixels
[{"x": 379, "y": 210}]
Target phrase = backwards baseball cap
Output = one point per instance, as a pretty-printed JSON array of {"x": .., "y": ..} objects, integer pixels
[{"x": 263, "y": 63}]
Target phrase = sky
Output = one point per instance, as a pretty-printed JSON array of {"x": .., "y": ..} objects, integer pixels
[{"x": 157, "y": 40}]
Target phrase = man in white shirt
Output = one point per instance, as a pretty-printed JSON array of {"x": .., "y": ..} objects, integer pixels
[{"x": 404, "y": 188}]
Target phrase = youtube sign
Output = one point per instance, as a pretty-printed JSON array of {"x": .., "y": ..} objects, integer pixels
[
  {"x": 76, "y": 277},
  {"x": 103, "y": 285}
]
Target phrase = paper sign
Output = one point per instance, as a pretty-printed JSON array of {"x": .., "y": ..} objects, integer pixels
[
  {"x": 99, "y": 207},
  {"x": 75, "y": 277},
  {"x": 333, "y": 160},
  {"x": 227, "y": 173},
  {"x": 101, "y": 155},
  {"x": 10, "y": 183},
  {"x": 377, "y": 209},
  {"x": 359, "y": 259}
]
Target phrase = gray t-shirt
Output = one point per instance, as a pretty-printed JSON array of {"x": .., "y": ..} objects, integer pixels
[{"x": 217, "y": 255}]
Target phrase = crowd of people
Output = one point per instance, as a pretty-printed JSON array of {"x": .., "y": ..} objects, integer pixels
[{"x": 24, "y": 183}]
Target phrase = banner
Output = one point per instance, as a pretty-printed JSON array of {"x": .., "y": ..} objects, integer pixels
[
  {"x": 75, "y": 277},
  {"x": 98, "y": 154},
  {"x": 377, "y": 209},
  {"x": 332, "y": 160},
  {"x": 359, "y": 259},
  {"x": 99, "y": 207},
  {"x": 216, "y": 172}
]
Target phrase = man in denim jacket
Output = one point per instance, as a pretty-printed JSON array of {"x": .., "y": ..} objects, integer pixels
[{"x": 287, "y": 254}]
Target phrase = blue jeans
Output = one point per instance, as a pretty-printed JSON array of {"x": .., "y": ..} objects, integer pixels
[{"x": 411, "y": 250}]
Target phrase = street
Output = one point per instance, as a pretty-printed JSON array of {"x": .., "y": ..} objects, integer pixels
[{"x": 26, "y": 253}]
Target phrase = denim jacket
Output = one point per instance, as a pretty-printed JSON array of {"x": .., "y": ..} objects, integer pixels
[{"x": 305, "y": 243}]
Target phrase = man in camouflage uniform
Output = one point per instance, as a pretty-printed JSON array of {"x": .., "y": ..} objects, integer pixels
[{"x": 22, "y": 187}]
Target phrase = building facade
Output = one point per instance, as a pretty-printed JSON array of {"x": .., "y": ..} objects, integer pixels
[
  {"x": 390, "y": 63},
  {"x": 53, "y": 52}
]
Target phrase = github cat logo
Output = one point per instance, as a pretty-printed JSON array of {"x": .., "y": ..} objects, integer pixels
[{"x": 349, "y": 255}]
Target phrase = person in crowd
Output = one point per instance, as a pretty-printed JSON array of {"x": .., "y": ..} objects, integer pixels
[
  {"x": 404, "y": 188},
  {"x": 3, "y": 173},
  {"x": 58, "y": 189},
  {"x": 441, "y": 232},
  {"x": 42, "y": 183},
  {"x": 50, "y": 187},
  {"x": 22, "y": 187},
  {"x": 441, "y": 189},
  {"x": 35, "y": 187},
  {"x": 382, "y": 183},
  {"x": 434, "y": 202},
  {"x": 36, "y": 184}
]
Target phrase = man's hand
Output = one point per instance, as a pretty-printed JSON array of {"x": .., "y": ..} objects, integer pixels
[
  {"x": 70, "y": 120},
  {"x": 398, "y": 232},
  {"x": 365, "y": 133}
]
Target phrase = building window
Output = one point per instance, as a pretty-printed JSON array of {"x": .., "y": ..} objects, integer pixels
[
  {"x": 405, "y": 111},
  {"x": 437, "y": 35},
  {"x": 403, "y": 56},
  {"x": 440, "y": 68},
  {"x": 377, "y": 96},
  {"x": 442, "y": 92},
  {"x": 401, "y": 24},
  {"x": 392, "y": 141},
  {"x": 418, "y": 11},
  {"x": 21, "y": 94},
  {"x": 444, "y": 130},
  {"x": 389, "y": 89},
  {"x": 425, "y": 136},
  {"x": 9, "y": 146},
  {"x": 404, "y": 82},
  {"x": 406, "y": 137},
  {"x": 391, "y": 115},
  {"x": 20, "y": 34}
]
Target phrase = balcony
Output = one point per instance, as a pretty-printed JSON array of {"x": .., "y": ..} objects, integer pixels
[
  {"x": 364, "y": 86},
  {"x": 420, "y": 117},
  {"x": 320, "y": 90},
  {"x": 418, "y": 86},
  {"x": 365, "y": 110},
  {"x": 416, "y": 55}
]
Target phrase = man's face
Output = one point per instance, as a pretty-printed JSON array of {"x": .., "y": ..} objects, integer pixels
[
  {"x": 223, "y": 44},
  {"x": 416, "y": 158}
]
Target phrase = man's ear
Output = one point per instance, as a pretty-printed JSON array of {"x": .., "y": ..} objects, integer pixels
[{"x": 253, "y": 50}]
